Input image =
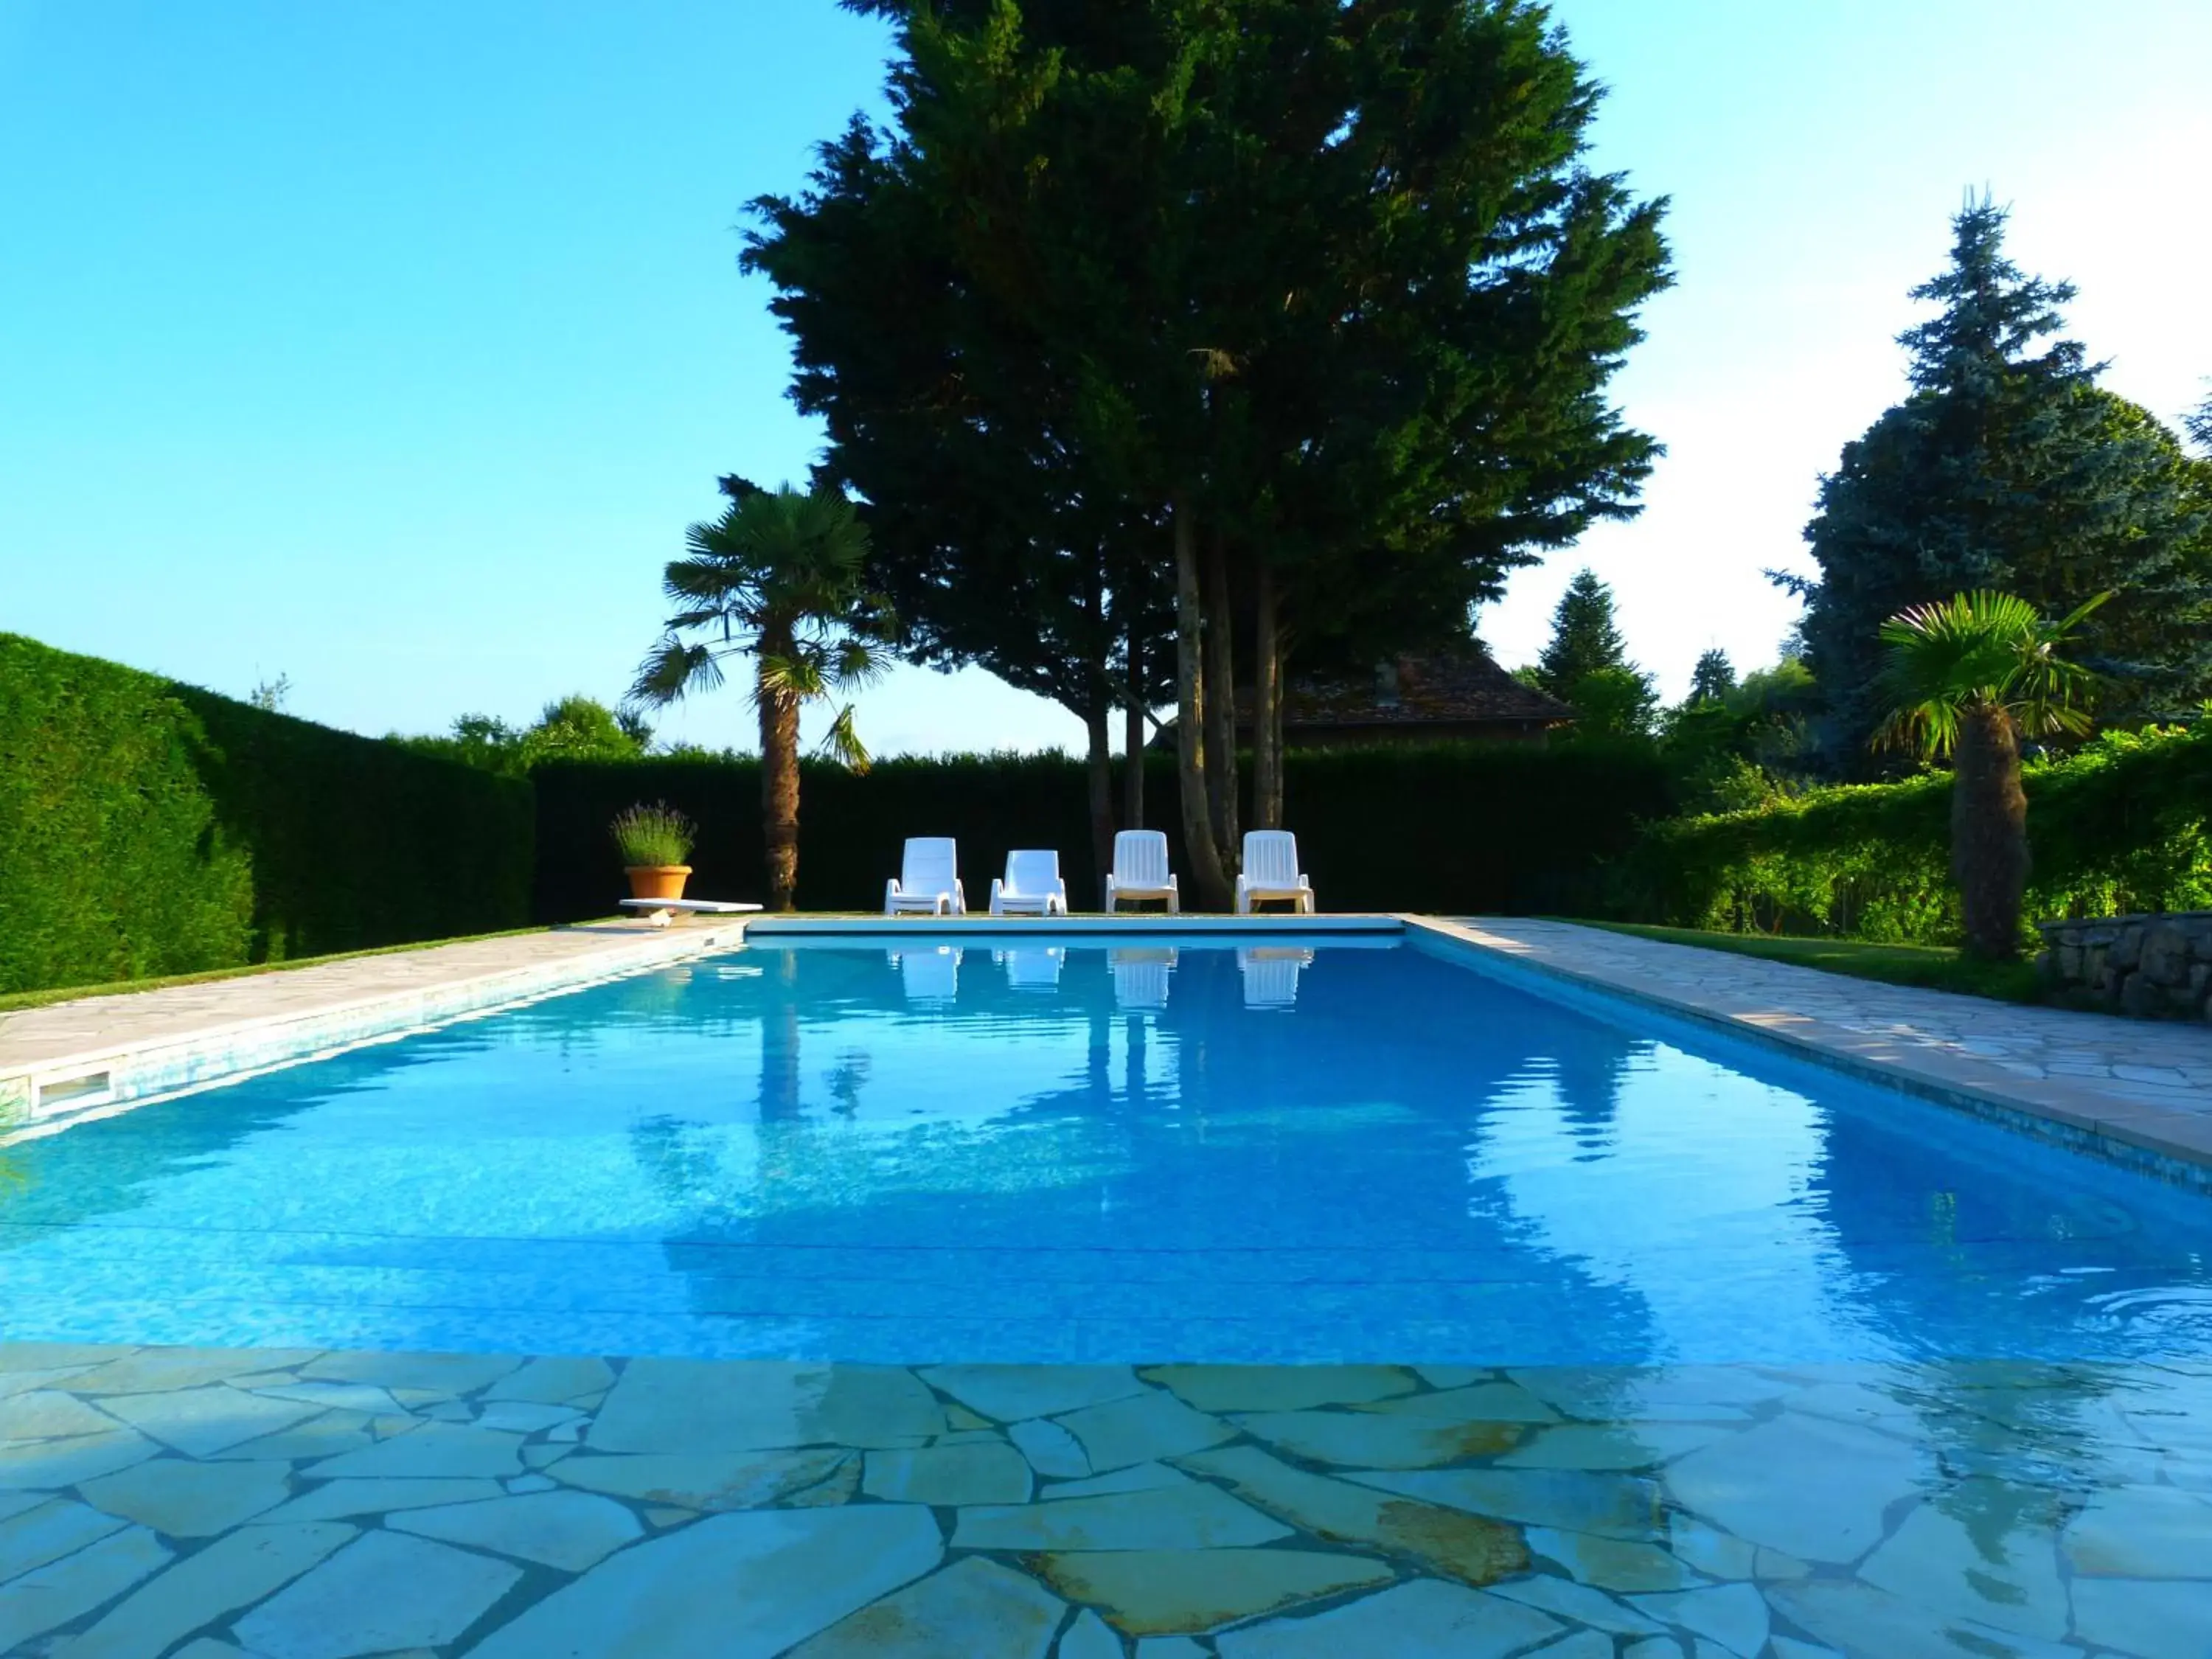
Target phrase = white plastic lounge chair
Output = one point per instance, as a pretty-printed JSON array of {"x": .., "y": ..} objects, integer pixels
[
  {"x": 929, "y": 881},
  {"x": 1140, "y": 979},
  {"x": 1033, "y": 969},
  {"x": 1271, "y": 975},
  {"x": 1272, "y": 872},
  {"x": 1140, "y": 870},
  {"x": 1030, "y": 887},
  {"x": 929, "y": 975}
]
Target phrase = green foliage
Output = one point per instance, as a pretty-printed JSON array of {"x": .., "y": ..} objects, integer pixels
[
  {"x": 149, "y": 829},
  {"x": 1713, "y": 679},
  {"x": 1742, "y": 744},
  {"x": 654, "y": 835},
  {"x": 1613, "y": 703},
  {"x": 1586, "y": 663},
  {"x": 1452, "y": 828},
  {"x": 574, "y": 728},
  {"x": 1330, "y": 288},
  {"x": 2007, "y": 467},
  {"x": 112, "y": 863},
  {"x": 2119, "y": 826},
  {"x": 1584, "y": 640},
  {"x": 1992, "y": 650},
  {"x": 782, "y": 577},
  {"x": 578, "y": 729}
]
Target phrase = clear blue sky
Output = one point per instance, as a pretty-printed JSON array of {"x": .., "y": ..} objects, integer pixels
[{"x": 391, "y": 347}]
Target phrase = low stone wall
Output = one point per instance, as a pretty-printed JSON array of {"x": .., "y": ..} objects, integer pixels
[{"x": 2152, "y": 965}]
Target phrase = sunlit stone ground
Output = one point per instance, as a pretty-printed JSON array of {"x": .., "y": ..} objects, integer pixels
[{"x": 303, "y": 1505}]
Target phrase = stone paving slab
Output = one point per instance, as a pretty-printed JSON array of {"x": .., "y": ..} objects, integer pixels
[
  {"x": 62, "y": 1060},
  {"x": 1995, "y": 1510},
  {"x": 2136, "y": 1092}
]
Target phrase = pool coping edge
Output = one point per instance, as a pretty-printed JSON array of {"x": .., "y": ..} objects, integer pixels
[
  {"x": 2132, "y": 1136},
  {"x": 137, "y": 1070}
]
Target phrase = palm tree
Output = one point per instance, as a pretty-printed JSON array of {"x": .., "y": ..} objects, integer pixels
[
  {"x": 782, "y": 575},
  {"x": 1966, "y": 677}
]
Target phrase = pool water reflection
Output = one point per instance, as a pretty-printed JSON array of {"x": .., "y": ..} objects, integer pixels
[{"x": 1030, "y": 1150}]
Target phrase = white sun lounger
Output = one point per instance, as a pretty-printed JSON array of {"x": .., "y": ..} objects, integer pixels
[
  {"x": 661, "y": 911},
  {"x": 929, "y": 975},
  {"x": 1140, "y": 979},
  {"x": 1271, "y": 973},
  {"x": 1140, "y": 870},
  {"x": 1272, "y": 872},
  {"x": 928, "y": 882},
  {"x": 1030, "y": 887},
  {"x": 1033, "y": 969}
]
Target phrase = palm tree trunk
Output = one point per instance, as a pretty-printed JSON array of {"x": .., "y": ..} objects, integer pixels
[
  {"x": 1209, "y": 884},
  {"x": 1988, "y": 832},
  {"x": 779, "y": 735},
  {"x": 1266, "y": 704},
  {"x": 1221, "y": 783}
]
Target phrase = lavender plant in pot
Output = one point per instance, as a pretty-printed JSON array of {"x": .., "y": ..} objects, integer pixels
[{"x": 654, "y": 842}]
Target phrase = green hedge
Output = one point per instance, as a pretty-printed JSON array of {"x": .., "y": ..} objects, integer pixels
[
  {"x": 148, "y": 828},
  {"x": 2119, "y": 827},
  {"x": 1448, "y": 828}
]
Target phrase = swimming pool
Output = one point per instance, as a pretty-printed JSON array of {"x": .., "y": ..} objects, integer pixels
[{"x": 1030, "y": 1151}]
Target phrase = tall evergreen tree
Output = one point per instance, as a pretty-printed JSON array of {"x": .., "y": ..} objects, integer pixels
[
  {"x": 1713, "y": 679},
  {"x": 2007, "y": 467},
  {"x": 1584, "y": 638},
  {"x": 1301, "y": 314}
]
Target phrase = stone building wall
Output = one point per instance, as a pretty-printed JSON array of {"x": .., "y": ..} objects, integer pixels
[{"x": 2146, "y": 965}]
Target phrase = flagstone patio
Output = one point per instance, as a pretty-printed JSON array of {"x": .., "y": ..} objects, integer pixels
[{"x": 218, "y": 1503}]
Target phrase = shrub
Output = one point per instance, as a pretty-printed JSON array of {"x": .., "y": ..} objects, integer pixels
[
  {"x": 112, "y": 862},
  {"x": 2119, "y": 826},
  {"x": 148, "y": 828},
  {"x": 654, "y": 835},
  {"x": 1451, "y": 827}
]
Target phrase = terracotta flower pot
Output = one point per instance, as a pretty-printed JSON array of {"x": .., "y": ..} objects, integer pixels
[{"x": 657, "y": 881}]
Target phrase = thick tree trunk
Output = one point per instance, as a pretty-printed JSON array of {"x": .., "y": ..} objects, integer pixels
[
  {"x": 1221, "y": 783},
  {"x": 1209, "y": 885},
  {"x": 1100, "y": 767},
  {"x": 1266, "y": 704},
  {"x": 1133, "y": 738},
  {"x": 1989, "y": 833},
  {"x": 779, "y": 734}
]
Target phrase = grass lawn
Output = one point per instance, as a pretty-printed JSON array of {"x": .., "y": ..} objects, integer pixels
[
  {"x": 15, "y": 1001},
  {"x": 1935, "y": 968}
]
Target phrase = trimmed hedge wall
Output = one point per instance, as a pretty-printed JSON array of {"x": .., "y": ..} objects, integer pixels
[
  {"x": 148, "y": 828},
  {"x": 2119, "y": 827},
  {"x": 1452, "y": 828}
]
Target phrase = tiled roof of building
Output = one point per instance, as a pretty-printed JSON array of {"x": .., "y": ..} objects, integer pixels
[{"x": 1457, "y": 689}]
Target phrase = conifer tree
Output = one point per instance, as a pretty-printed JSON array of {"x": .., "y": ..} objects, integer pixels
[
  {"x": 2007, "y": 467},
  {"x": 1713, "y": 679},
  {"x": 1584, "y": 638}
]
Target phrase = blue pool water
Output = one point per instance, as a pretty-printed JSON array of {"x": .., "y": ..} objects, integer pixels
[{"x": 1337, "y": 1153}]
